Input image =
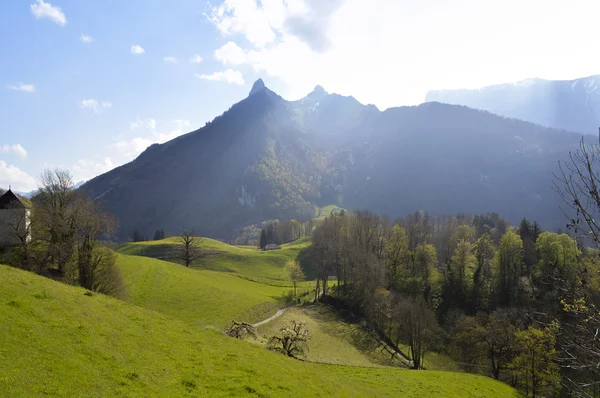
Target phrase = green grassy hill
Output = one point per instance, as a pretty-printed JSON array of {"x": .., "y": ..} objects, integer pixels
[
  {"x": 197, "y": 296},
  {"x": 337, "y": 337},
  {"x": 218, "y": 256},
  {"x": 58, "y": 340}
]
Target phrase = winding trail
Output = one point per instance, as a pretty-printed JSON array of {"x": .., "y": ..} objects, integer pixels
[
  {"x": 281, "y": 312},
  {"x": 269, "y": 319}
]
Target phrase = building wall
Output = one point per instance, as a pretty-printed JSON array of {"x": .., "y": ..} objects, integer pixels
[{"x": 11, "y": 219}]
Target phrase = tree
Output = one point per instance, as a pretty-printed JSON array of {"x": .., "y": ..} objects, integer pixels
[
  {"x": 159, "y": 234},
  {"x": 417, "y": 325},
  {"x": 482, "y": 277},
  {"x": 292, "y": 340},
  {"x": 294, "y": 273},
  {"x": 91, "y": 225},
  {"x": 240, "y": 330},
  {"x": 457, "y": 284},
  {"x": 510, "y": 260},
  {"x": 263, "y": 238},
  {"x": 396, "y": 253},
  {"x": 556, "y": 273},
  {"x": 497, "y": 332},
  {"x": 188, "y": 250},
  {"x": 577, "y": 185},
  {"x": 137, "y": 236},
  {"x": 55, "y": 218},
  {"x": 537, "y": 374}
]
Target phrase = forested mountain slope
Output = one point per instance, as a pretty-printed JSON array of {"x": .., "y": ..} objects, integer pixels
[{"x": 268, "y": 158}]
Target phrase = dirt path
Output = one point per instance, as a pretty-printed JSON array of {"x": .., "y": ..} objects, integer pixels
[
  {"x": 269, "y": 319},
  {"x": 280, "y": 313}
]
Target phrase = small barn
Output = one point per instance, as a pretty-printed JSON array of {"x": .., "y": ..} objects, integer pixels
[{"x": 14, "y": 220}]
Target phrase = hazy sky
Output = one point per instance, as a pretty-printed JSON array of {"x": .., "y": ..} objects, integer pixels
[{"x": 88, "y": 85}]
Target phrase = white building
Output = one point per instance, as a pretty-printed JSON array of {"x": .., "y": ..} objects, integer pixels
[{"x": 14, "y": 220}]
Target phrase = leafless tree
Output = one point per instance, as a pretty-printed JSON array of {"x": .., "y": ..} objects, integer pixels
[
  {"x": 92, "y": 225},
  {"x": 292, "y": 340},
  {"x": 189, "y": 249},
  {"x": 55, "y": 220},
  {"x": 417, "y": 325},
  {"x": 240, "y": 330},
  {"x": 578, "y": 186}
]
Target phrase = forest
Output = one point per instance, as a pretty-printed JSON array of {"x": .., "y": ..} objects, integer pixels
[{"x": 512, "y": 302}]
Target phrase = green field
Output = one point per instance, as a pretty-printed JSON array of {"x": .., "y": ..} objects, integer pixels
[
  {"x": 334, "y": 339},
  {"x": 60, "y": 340},
  {"x": 218, "y": 256},
  {"x": 197, "y": 296}
]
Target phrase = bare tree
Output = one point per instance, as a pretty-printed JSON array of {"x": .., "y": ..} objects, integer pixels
[
  {"x": 417, "y": 325},
  {"x": 189, "y": 249},
  {"x": 578, "y": 186},
  {"x": 91, "y": 225},
  {"x": 292, "y": 340},
  {"x": 55, "y": 220},
  {"x": 240, "y": 330}
]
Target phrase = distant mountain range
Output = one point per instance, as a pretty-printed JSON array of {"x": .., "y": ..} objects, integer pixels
[
  {"x": 268, "y": 158},
  {"x": 573, "y": 105}
]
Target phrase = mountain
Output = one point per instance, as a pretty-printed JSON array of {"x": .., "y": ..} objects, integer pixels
[
  {"x": 268, "y": 158},
  {"x": 572, "y": 105}
]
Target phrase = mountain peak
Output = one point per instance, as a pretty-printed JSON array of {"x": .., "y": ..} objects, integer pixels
[
  {"x": 319, "y": 90},
  {"x": 257, "y": 86}
]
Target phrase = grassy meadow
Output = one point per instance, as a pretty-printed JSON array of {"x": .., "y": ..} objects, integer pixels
[
  {"x": 65, "y": 341},
  {"x": 197, "y": 296},
  {"x": 217, "y": 256}
]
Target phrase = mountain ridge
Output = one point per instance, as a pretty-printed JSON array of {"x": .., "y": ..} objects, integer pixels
[
  {"x": 268, "y": 158},
  {"x": 572, "y": 105}
]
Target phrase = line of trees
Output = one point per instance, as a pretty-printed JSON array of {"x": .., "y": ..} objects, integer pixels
[
  {"x": 490, "y": 295},
  {"x": 66, "y": 237}
]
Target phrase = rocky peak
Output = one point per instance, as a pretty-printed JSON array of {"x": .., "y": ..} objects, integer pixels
[{"x": 257, "y": 86}]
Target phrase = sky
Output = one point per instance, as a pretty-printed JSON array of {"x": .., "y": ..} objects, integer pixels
[{"x": 88, "y": 85}]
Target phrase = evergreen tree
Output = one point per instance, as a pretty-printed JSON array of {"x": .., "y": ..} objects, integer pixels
[
  {"x": 263, "y": 238},
  {"x": 137, "y": 236}
]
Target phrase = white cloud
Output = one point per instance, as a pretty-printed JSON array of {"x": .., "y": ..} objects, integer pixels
[
  {"x": 230, "y": 54},
  {"x": 27, "y": 88},
  {"x": 390, "y": 54},
  {"x": 137, "y": 49},
  {"x": 248, "y": 18},
  {"x": 86, "y": 169},
  {"x": 145, "y": 123},
  {"x": 170, "y": 60},
  {"x": 16, "y": 148},
  {"x": 86, "y": 39},
  {"x": 18, "y": 179},
  {"x": 133, "y": 147},
  {"x": 230, "y": 76},
  {"x": 196, "y": 59},
  {"x": 95, "y": 105},
  {"x": 46, "y": 10}
]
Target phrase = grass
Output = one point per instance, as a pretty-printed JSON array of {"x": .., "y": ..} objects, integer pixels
[
  {"x": 335, "y": 339},
  {"x": 338, "y": 338},
  {"x": 197, "y": 296},
  {"x": 218, "y": 256},
  {"x": 58, "y": 340}
]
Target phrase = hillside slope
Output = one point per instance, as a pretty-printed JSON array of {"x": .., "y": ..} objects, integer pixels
[
  {"x": 573, "y": 105},
  {"x": 199, "y": 297},
  {"x": 267, "y": 158},
  {"x": 56, "y": 340}
]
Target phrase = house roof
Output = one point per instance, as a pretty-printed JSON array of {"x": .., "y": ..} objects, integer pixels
[{"x": 10, "y": 201}]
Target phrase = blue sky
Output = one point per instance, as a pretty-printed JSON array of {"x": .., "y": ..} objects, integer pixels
[{"x": 87, "y": 85}]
